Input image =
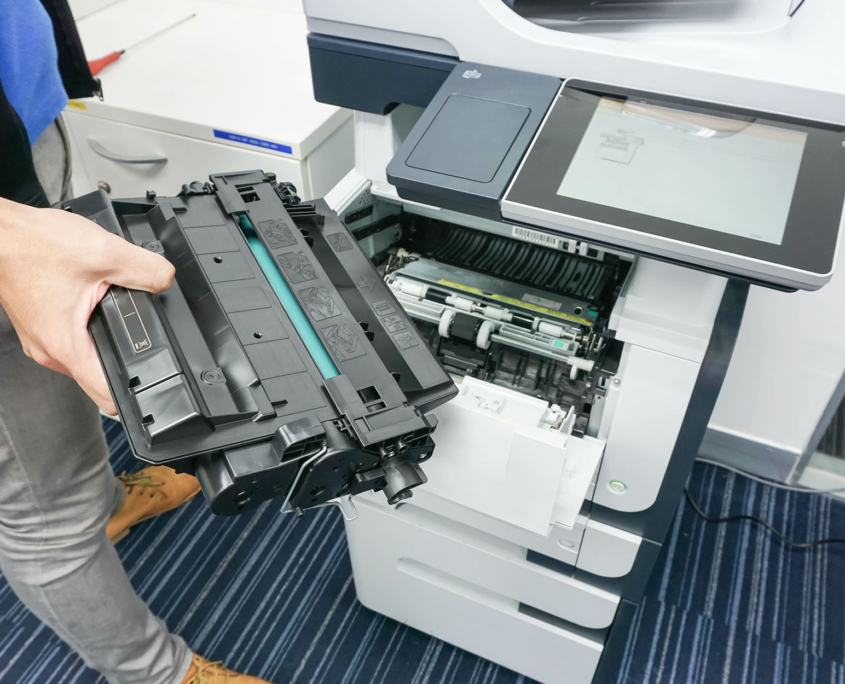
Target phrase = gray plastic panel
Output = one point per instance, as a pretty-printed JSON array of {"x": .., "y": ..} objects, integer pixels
[
  {"x": 374, "y": 78},
  {"x": 485, "y": 131},
  {"x": 468, "y": 143}
]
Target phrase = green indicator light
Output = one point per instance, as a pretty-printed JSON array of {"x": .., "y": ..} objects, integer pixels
[
  {"x": 593, "y": 313},
  {"x": 286, "y": 297}
]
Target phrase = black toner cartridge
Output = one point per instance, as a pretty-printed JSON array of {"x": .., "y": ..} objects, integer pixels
[{"x": 278, "y": 364}]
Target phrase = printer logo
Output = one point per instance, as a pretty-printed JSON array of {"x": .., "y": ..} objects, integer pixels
[{"x": 472, "y": 73}]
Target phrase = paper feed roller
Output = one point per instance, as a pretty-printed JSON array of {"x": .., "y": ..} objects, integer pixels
[{"x": 278, "y": 364}]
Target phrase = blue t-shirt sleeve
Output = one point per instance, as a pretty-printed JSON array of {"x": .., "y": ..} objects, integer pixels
[{"x": 29, "y": 64}]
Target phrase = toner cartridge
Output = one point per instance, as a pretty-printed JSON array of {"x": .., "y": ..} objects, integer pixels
[{"x": 279, "y": 364}]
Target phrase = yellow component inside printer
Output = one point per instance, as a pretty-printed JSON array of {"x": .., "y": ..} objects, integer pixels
[{"x": 517, "y": 302}]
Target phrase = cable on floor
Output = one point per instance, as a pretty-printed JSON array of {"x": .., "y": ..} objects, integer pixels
[
  {"x": 770, "y": 483},
  {"x": 739, "y": 518}
]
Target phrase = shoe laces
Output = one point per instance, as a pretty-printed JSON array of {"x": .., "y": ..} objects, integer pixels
[
  {"x": 140, "y": 480},
  {"x": 200, "y": 677}
]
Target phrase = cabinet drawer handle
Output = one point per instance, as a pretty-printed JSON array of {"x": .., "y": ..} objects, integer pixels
[{"x": 123, "y": 159}]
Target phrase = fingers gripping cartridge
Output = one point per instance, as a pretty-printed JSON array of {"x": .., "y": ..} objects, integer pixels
[{"x": 278, "y": 364}]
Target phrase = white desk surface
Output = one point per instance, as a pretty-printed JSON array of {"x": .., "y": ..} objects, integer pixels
[{"x": 238, "y": 66}]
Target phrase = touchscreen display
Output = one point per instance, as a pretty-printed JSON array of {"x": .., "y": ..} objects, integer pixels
[{"x": 722, "y": 174}]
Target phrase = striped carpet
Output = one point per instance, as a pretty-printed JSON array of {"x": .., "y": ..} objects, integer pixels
[{"x": 274, "y": 596}]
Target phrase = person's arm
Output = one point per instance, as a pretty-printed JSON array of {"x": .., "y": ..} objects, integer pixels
[{"x": 54, "y": 268}]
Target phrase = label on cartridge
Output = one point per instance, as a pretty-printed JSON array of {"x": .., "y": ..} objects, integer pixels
[{"x": 132, "y": 322}]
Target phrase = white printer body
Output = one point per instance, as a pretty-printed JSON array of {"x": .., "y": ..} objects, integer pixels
[
  {"x": 751, "y": 54},
  {"x": 583, "y": 398}
]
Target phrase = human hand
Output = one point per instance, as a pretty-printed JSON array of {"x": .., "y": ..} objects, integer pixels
[{"x": 55, "y": 267}]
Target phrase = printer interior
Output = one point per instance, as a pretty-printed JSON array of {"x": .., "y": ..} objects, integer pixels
[{"x": 514, "y": 307}]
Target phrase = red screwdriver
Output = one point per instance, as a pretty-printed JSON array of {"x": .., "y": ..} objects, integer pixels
[{"x": 97, "y": 65}]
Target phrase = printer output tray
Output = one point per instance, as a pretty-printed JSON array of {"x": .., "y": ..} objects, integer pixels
[{"x": 278, "y": 348}]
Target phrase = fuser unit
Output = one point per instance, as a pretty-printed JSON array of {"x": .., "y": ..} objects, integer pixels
[{"x": 278, "y": 364}]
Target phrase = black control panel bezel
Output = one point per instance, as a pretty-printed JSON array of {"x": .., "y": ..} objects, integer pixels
[{"x": 812, "y": 228}]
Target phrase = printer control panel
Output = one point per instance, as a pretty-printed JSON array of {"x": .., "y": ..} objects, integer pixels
[{"x": 742, "y": 193}]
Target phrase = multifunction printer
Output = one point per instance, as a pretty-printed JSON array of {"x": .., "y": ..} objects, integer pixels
[{"x": 571, "y": 203}]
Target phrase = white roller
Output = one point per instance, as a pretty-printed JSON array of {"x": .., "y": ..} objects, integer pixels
[
  {"x": 485, "y": 330},
  {"x": 412, "y": 288},
  {"x": 497, "y": 314},
  {"x": 461, "y": 303},
  {"x": 550, "y": 329},
  {"x": 446, "y": 319}
]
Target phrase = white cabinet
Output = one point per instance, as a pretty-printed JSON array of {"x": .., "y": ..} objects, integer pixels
[
  {"x": 111, "y": 154},
  {"x": 228, "y": 90},
  {"x": 129, "y": 160}
]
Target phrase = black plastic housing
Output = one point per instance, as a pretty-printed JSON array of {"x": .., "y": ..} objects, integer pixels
[{"x": 212, "y": 377}]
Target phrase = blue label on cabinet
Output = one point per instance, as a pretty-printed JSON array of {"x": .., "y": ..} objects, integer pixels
[{"x": 258, "y": 142}]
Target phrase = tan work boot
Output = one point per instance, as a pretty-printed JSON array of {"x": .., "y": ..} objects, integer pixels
[
  {"x": 205, "y": 672},
  {"x": 150, "y": 492}
]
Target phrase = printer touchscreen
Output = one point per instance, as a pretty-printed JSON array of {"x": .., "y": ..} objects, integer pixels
[
  {"x": 740, "y": 192},
  {"x": 728, "y": 175}
]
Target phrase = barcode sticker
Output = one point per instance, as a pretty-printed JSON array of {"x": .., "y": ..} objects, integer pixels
[{"x": 537, "y": 237}]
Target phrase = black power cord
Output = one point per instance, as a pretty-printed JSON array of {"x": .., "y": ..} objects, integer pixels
[{"x": 738, "y": 518}]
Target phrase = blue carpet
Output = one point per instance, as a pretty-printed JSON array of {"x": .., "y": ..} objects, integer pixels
[{"x": 274, "y": 596}]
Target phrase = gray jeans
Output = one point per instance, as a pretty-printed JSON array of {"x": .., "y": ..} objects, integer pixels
[{"x": 57, "y": 491}]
